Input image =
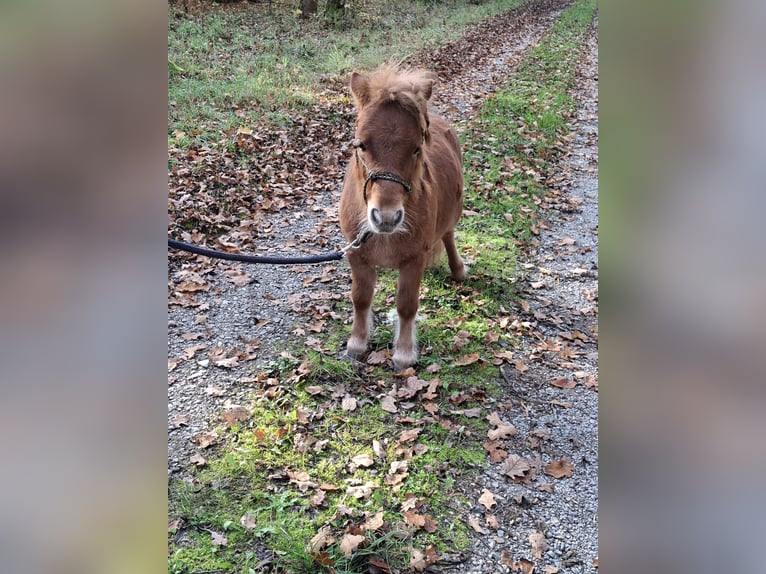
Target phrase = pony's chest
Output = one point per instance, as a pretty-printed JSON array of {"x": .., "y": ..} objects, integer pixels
[{"x": 392, "y": 252}]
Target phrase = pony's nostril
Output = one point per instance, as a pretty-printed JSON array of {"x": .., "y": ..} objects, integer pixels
[
  {"x": 398, "y": 216},
  {"x": 375, "y": 215}
]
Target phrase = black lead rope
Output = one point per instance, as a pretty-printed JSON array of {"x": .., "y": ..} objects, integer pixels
[{"x": 363, "y": 236}]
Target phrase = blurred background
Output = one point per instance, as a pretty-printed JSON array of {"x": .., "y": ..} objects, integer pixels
[{"x": 83, "y": 168}]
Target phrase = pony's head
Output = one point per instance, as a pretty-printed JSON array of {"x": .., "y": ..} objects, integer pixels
[{"x": 391, "y": 141}]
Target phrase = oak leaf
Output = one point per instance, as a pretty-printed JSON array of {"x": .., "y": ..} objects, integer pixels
[{"x": 515, "y": 466}]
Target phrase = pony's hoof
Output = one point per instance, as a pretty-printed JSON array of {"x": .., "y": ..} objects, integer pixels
[
  {"x": 459, "y": 275},
  {"x": 402, "y": 360}
]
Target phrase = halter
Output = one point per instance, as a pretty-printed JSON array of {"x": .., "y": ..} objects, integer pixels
[{"x": 373, "y": 175}]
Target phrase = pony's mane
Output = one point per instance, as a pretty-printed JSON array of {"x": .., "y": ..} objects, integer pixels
[{"x": 409, "y": 88}]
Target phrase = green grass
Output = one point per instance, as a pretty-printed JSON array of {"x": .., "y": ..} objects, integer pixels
[
  {"x": 509, "y": 147},
  {"x": 230, "y": 67}
]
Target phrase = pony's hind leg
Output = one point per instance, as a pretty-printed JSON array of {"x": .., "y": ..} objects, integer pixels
[
  {"x": 363, "y": 279},
  {"x": 456, "y": 265},
  {"x": 407, "y": 295}
]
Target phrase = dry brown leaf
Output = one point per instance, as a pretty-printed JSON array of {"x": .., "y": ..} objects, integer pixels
[
  {"x": 364, "y": 460},
  {"x": 179, "y": 420},
  {"x": 550, "y": 569},
  {"x": 218, "y": 539},
  {"x": 487, "y": 499},
  {"x": 492, "y": 521},
  {"x": 409, "y": 435},
  {"x": 318, "y": 498},
  {"x": 235, "y": 414},
  {"x": 388, "y": 404},
  {"x": 377, "y": 358},
  {"x": 373, "y": 522},
  {"x": 205, "y": 439},
  {"x": 198, "y": 459},
  {"x": 248, "y": 521},
  {"x": 559, "y": 468},
  {"x": 467, "y": 360},
  {"x": 348, "y": 403},
  {"x": 515, "y": 466},
  {"x": 473, "y": 522},
  {"x": 496, "y": 454},
  {"x": 350, "y": 542},
  {"x": 538, "y": 543},
  {"x": 563, "y": 383},
  {"x": 520, "y": 366},
  {"x": 362, "y": 490},
  {"x": 314, "y": 390},
  {"x": 414, "y": 519}
]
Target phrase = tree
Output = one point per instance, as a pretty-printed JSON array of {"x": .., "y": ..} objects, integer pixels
[{"x": 308, "y": 7}]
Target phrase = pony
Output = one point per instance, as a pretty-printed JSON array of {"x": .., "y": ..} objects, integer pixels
[{"x": 402, "y": 197}]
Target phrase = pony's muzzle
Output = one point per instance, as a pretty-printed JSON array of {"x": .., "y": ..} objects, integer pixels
[{"x": 385, "y": 221}]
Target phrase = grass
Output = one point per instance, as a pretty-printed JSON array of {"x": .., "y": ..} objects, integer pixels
[
  {"x": 252, "y": 491},
  {"x": 228, "y": 67}
]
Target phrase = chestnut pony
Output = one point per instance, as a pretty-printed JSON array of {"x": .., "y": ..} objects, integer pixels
[{"x": 402, "y": 197}]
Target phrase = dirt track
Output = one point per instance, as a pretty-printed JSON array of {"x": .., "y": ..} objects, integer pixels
[{"x": 560, "y": 280}]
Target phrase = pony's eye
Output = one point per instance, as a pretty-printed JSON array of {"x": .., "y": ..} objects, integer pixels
[
  {"x": 417, "y": 151},
  {"x": 359, "y": 145}
]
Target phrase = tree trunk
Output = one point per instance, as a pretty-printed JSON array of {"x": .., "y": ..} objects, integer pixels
[{"x": 308, "y": 7}]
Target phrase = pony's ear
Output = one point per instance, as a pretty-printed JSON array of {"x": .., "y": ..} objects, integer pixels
[
  {"x": 426, "y": 85},
  {"x": 360, "y": 89}
]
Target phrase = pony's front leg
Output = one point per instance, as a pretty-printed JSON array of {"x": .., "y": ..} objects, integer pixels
[
  {"x": 407, "y": 300},
  {"x": 363, "y": 277}
]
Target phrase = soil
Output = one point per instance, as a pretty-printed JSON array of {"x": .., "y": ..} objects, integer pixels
[{"x": 559, "y": 282}]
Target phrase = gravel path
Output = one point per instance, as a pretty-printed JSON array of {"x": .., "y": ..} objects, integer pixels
[
  {"x": 553, "y": 423},
  {"x": 560, "y": 281}
]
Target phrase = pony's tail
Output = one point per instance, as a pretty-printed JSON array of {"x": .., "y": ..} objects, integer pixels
[{"x": 435, "y": 254}]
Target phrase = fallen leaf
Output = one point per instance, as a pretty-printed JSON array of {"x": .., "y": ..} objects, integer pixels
[
  {"x": 350, "y": 542},
  {"x": 248, "y": 521},
  {"x": 550, "y": 569},
  {"x": 414, "y": 519},
  {"x": 409, "y": 435},
  {"x": 562, "y": 404},
  {"x": 374, "y": 522},
  {"x": 559, "y": 468},
  {"x": 321, "y": 539},
  {"x": 319, "y": 498},
  {"x": 496, "y": 454},
  {"x": 388, "y": 404},
  {"x": 235, "y": 414},
  {"x": 364, "y": 460},
  {"x": 473, "y": 522},
  {"x": 492, "y": 521},
  {"x": 524, "y": 566},
  {"x": 198, "y": 459},
  {"x": 520, "y": 366},
  {"x": 218, "y": 539},
  {"x": 174, "y": 525},
  {"x": 179, "y": 420},
  {"x": 361, "y": 491},
  {"x": 377, "y": 358},
  {"x": 515, "y": 466},
  {"x": 348, "y": 403},
  {"x": 539, "y": 544},
  {"x": 563, "y": 383},
  {"x": 467, "y": 360},
  {"x": 205, "y": 439},
  {"x": 487, "y": 499}
]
